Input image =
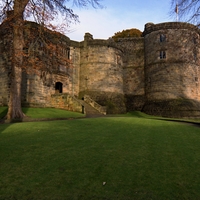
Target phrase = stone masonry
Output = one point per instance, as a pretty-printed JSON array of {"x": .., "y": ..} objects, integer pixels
[
  {"x": 172, "y": 69},
  {"x": 158, "y": 73}
]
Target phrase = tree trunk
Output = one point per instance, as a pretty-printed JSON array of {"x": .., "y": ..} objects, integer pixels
[{"x": 14, "y": 104}]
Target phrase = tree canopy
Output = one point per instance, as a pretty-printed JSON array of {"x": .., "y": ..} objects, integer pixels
[{"x": 127, "y": 33}]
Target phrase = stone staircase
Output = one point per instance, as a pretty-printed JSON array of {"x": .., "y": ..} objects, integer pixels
[{"x": 90, "y": 111}]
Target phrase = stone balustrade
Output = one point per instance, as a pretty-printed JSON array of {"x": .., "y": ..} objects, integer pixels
[{"x": 101, "y": 109}]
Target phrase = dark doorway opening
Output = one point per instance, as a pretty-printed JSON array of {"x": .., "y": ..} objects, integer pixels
[{"x": 58, "y": 87}]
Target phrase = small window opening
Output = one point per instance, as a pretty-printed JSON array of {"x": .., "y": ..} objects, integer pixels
[
  {"x": 195, "y": 56},
  {"x": 162, "y": 38},
  {"x": 68, "y": 53},
  {"x": 58, "y": 87},
  {"x": 195, "y": 40},
  {"x": 196, "y": 79},
  {"x": 162, "y": 54}
]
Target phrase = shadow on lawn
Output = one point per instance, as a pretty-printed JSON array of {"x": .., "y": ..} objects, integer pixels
[
  {"x": 3, "y": 112},
  {"x": 136, "y": 114},
  {"x": 181, "y": 121}
]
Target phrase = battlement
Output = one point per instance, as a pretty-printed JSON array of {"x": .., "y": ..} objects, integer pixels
[
  {"x": 150, "y": 27},
  {"x": 89, "y": 41}
]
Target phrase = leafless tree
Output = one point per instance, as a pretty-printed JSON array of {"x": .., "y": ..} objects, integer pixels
[{"x": 186, "y": 10}]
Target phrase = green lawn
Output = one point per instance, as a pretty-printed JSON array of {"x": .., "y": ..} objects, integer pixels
[
  {"x": 44, "y": 113},
  {"x": 138, "y": 158},
  {"x": 50, "y": 113}
]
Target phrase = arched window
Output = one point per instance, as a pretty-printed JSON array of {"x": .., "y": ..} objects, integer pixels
[{"x": 58, "y": 87}]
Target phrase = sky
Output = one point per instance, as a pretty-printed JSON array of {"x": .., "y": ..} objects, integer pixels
[{"x": 118, "y": 15}]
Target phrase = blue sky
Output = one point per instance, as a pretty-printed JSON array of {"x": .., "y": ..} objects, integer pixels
[{"x": 118, "y": 15}]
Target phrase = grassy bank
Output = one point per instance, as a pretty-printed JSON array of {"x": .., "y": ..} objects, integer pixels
[{"x": 102, "y": 158}]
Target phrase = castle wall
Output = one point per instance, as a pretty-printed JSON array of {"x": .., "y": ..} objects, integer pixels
[
  {"x": 53, "y": 72},
  {"x": 74, "y": 70},
  {"x": 101, "y": 73},
  {"x": 101, "y": 69},
  {"x": 37, "y": 89},
  {"x": 172, "y": 66},
  {"x": 133, "y": 71},
  {"x": 58, "y": 63},
  {"x": 158, "y": 73},
  {"x": 5, "y": 62},
  {"x": 34, "y": 92}
]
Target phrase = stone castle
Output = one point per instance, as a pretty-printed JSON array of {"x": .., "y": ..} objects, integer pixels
[{"x": 158, "y": 73}]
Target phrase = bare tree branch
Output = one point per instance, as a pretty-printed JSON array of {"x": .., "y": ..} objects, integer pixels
[
  {"x": 33, "y": 58},
  {"x": 187, "y": 10},
  {"x": 54, "y": 7}
]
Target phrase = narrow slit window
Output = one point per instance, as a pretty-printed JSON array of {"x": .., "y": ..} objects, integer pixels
[
  {"x": 195, "y": 56},
  {"x": 162, "y": 55},
  {"x": 68, "y": 53},
  {"x": 195, "y": 40},
  {"x": 162, "y": 38}
]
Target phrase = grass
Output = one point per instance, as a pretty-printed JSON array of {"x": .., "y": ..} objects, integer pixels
[
  {"x": 144, "y": 115},
  {"x": 138, "y": 158},
  {"x": 44, "y": 113},
  {"x": 50, "y": 113}
]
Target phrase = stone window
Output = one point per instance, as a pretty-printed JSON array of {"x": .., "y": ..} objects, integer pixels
[
  {"x": 195, "y": 55},
  {"x": 68, "y": 53},
  {"x": 195, "y": 40},
  {"x": 196, "y": 79},
  {"x": 162, "y": 38},
  {"x": 162, "y": 55},
  {"x": 58, "y": 87}
]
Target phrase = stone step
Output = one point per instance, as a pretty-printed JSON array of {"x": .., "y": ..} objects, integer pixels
[{"x": 90, "y": 111}]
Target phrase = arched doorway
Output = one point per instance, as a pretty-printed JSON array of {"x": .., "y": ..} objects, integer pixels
[{"x": 58, "y": 87}]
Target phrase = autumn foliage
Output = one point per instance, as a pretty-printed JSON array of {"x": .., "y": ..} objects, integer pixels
[{"x": 127, "y": 33}]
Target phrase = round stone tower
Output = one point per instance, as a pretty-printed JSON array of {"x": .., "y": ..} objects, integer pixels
[
  {"x": 101, "y": 73},
  {"x": 172, "y": 69}
]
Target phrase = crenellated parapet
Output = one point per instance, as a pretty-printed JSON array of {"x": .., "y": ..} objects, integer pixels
[{"x": 90, "y": 41}]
